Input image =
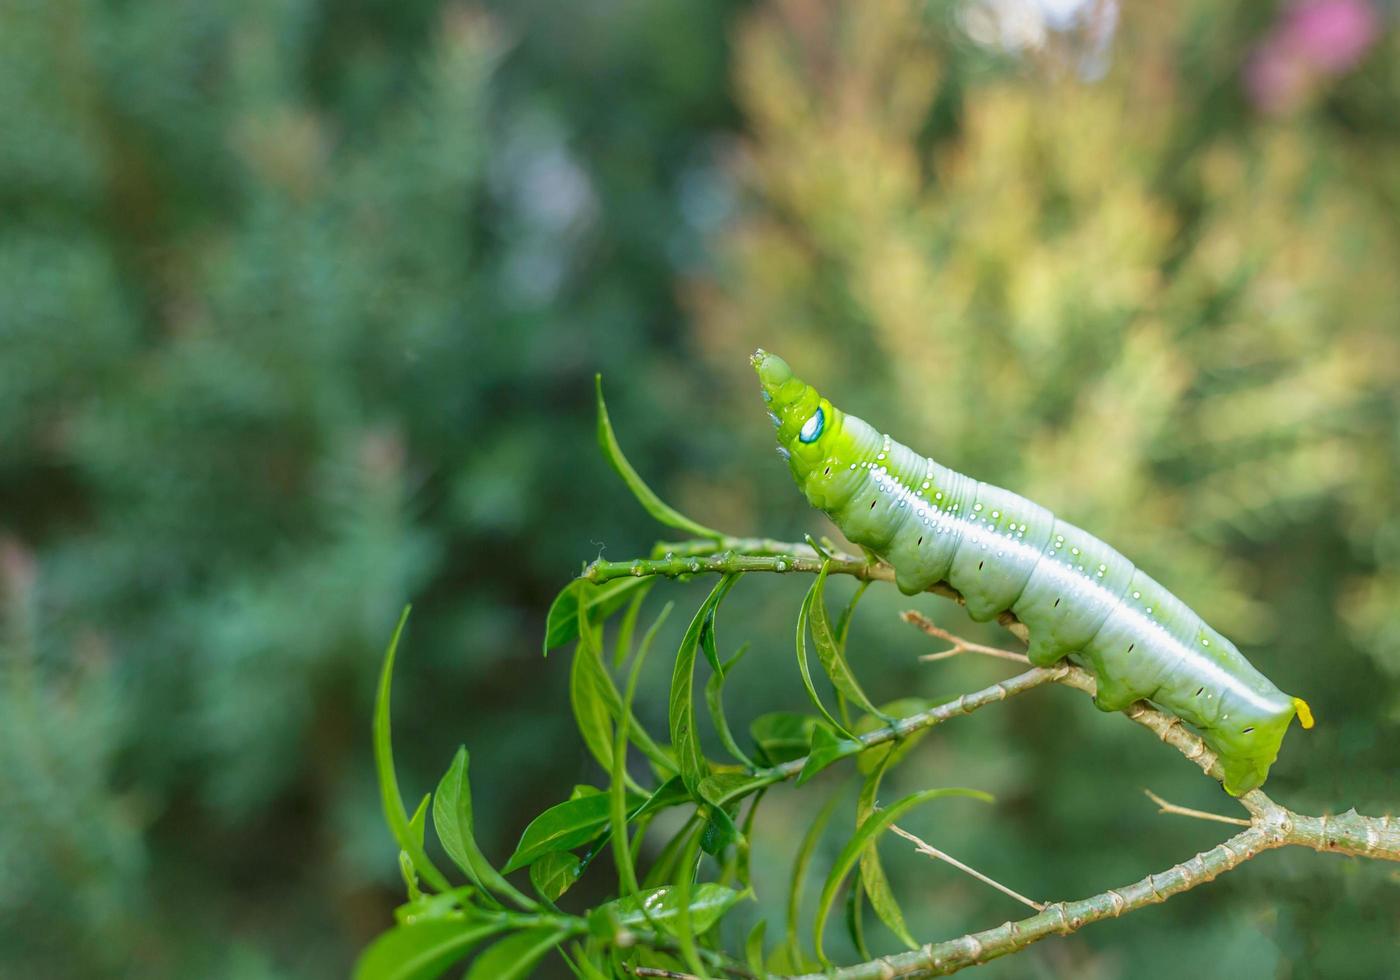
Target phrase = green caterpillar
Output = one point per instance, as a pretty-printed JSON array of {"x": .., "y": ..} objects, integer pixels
[{"x": 1078, "y": 596}]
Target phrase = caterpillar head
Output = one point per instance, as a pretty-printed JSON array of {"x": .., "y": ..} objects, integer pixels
[{"x": 804, "y": 419}]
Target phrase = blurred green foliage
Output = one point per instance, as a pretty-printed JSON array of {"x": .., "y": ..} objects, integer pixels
[
  {"x": 299, "y": 308},
  {"x": 301, "y": 305}
]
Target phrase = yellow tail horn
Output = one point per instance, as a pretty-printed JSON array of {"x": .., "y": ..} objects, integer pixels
[{"x": 1305, "y": 715}]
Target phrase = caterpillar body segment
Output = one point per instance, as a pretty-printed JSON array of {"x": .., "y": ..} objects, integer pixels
[{"x": 1078, "y": 596}]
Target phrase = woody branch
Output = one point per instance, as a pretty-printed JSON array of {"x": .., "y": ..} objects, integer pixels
[{"x": 1270, "y": 825}]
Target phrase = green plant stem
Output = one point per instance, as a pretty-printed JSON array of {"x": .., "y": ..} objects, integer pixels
[{"x": 964, "y": 704}]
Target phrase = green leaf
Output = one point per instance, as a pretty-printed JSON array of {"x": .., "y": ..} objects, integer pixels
[
  {"x": 617, "y": 788},
  {"x": 719, "y": 830},
  {"x": 394, "y": 813},
  {"x": 685, "y": 739},
  {"x": 826, "y": 749},
  {"x": 597, "y": 703},
  {"x": 421, "y": 950},
  {"x": 753, "y": 949},
  {"x": 685, "y": 885},
  {"x": 664, "y": 867},
  {"x": 782, "y": 736},
  {"x": 782, "y": 960},
  {"x": 869, "y": 829},
  {"x": 415, "y": 829},
  {"x": 661, "y": 907},
  {"x": 585, "y": 968},
  {"x": 627, "y": 626},
  {"x": 653, "y": 504},
  {"x": 744, "y": 851},
  {"x": 855, "y": 921},
  {"x": 829, "y": 649},
  {"x": 800, "y": 865},
  {"x": 562, "y": 827},
  {"x": 418, "y": 823},
  {"x": 586, "y": 696},
  {"x": 516, "y": 955},
  {"x": 724, "y": 788},
  {"x": 661, "y": 758},
  {"x": 709, "y": 645},
  {"x": 670, "y": 793},
  {"x": 555, "y": 873},
  {"x": 445, "y": 905},
  {"x": 452, "y": 819},
  {"x": 561, "y": 624},
  {"x": 714, "y": 700},
  {"x": 872, "y": 872},
  {"x": 843, "y": 622},
  {"x": 803, "y": 616}
]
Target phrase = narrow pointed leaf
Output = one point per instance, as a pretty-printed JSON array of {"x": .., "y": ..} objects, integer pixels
[
  {"x": 872, "y": 872},
  {"x": 684, "y": 737},
  {"x": 668, "y": 794},
  {"x": 663, "y": 869},
  {"x": 416, "y": 825},
  {"x": 685, "y": 888},
  {"x": 394, "y": 813},
  {"x": 555, "y": 873},
  {"x": 516, "y": 955},
  {"x": 726, "y": 788},
  {"x": 753, "y": 949},
  {"x": 843, "y": 622},
  {"x": 720, "y": 830},
  {"x": 617, "y": 788},
  {"x": 561, "y": 624},
  {"x": 444, "y": 905},
  {"x": 590, "y": 705},
  {"x": 661, "y": 907},
  {"x": 453, "y": 821},
  {"x": 829, "y": 649},
  {"x": 855, "y": 919},
  {"x": 800, "y": 865},
  {"x": 627, "y": 625},
  {"x": 714, "y": 700},
  {"x": 562, "y": 828},
  {"x": 659, "y": 510},
  {"x": 803, "y": 615},
  {"x": 598, "y": 704},
  {"x": 586, "y": 969},
  {"x": 870, "y": 829},
  {"x": 421, "y": 950}
]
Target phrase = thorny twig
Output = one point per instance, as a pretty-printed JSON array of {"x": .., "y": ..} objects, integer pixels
[
  {"x": 1271, "y": 825},
  {"x": 924, "y": 847},
  {"x": 959, "y": 645},
  {"x": 1164, "y": 807}
]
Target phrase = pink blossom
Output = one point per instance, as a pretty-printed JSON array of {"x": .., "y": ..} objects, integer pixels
[
  {"x": 1313, "y": 40},
  {"x": 1331, "y": 35}
]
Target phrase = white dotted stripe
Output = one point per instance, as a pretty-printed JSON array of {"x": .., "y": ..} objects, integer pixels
[{"x": 1067, "y": 572}]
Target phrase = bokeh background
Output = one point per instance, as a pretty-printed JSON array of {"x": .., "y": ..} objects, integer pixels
[{"x": 300, "y": 304}]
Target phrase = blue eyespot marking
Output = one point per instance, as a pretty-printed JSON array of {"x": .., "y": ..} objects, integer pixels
[{"x": 812, "y": 428}]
